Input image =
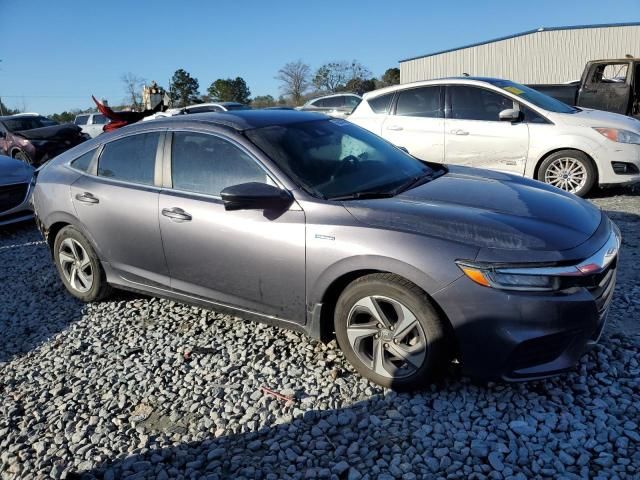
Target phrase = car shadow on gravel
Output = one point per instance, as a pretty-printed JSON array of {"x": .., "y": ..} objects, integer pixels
[
  {"x": 34, "y": 305},
  {"x": 456, "y": 429}
]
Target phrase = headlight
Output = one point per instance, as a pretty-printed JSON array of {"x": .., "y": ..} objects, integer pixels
[
  {"x": 618, "y": 135},
  {"x": 509, "y": 278}
]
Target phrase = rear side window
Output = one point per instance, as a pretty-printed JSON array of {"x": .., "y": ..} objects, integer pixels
[
  {"x": 130, "y": 159},
  {"x": 420, "y": 102},
  {"x": 81, "y": 119},
  {"x": 99, "y": 119},
  {"x": 208, "y": 164},
  {"x": 83, "y": 161},
  {"x": 381, "y": 103},
  {"x": 351, "y": 101}
]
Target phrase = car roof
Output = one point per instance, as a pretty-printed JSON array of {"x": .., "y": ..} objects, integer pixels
[
  {"x": 435, "y": 81},
  {"x": 239, "y": 120},
  {"x": 9, "y": 117}
]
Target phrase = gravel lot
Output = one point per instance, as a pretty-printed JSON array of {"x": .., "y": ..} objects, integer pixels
[{"x": 121, "y": 389}]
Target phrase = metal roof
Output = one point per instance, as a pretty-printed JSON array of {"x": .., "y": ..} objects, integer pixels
[{"x": 528, "y": 32}]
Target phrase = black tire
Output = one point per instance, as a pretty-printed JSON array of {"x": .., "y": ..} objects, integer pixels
[
  {"x": 23, "y": 157},
  {"x": 433, "y": 327},
  {"x": 577, "y": 156},
  {"x": 99, "y": 289}
]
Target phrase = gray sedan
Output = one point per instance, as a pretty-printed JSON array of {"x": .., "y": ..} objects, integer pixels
[
  {"x": 318, "y": 225},
  {"x": 15, "y": 188}
]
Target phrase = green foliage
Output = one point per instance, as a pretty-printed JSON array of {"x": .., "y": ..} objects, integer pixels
[
  {"x": 64, "y": 117},
  {"x": 183, "y": 89},
  {"x": 230, "y": 90},
  {"x": 262, "y": 101},
  {"x": 391, "y": 77},
  {"x": 360, "y": 86}
]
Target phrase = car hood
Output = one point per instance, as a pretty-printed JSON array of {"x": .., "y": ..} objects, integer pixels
[
  {"x": 52, "y": 133},
  {"x": 597, "y": 118},
  {"x": 14, "y": 171},
  {"x": 487, "y": 210}
]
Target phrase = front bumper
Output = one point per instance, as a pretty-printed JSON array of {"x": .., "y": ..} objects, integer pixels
[
  {"x": 625, "y": 153},
  {"x": 19, "y": 210},
  {"x": 524, "y": 335}
]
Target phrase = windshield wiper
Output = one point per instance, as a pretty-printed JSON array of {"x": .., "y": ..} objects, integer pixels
[
  {"x": 363, "y": 195},
  {"x": 417, "y": 181}
]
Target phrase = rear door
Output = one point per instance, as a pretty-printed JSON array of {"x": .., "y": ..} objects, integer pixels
[
  {"x": 607, "y": 86},
  {"x": 417, "y": 122},
  {"x": 119, "y": 207},
  {"x": 246, "y": 259},
  {"x": 475, "y": 136}
]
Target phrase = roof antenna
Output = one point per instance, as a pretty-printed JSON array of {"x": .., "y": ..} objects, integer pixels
[{"x": 465, "y": 74}]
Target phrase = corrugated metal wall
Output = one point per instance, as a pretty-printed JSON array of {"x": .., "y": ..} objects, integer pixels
[{"x": 551, "y": 56}]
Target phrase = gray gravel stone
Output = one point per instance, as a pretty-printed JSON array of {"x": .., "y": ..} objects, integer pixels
[{"x": 70, "y": 386}]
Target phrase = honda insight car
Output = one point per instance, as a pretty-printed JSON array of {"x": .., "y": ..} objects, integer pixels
[{"x": 318, "y": 225}]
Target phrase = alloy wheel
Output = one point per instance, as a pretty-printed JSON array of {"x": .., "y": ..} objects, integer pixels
[
  {"x": 386, "y": 336},
  {"x": 566, "y": 173},
  {"x": 75, "y": 265}
]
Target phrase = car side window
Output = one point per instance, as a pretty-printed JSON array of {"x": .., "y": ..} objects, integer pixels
[
  {"x": 130, "y": 159},
  {"x": 81, "y": 119},
  {"x": 83, "y": 161},
  {"x": 351, "y": 101},
  {"x": 334, "y": 102},
  {"x": 473, "y": 103},
  {"x": 99, "y": 120},
  {"x": 419, "y": 102},
  {"x": 609, "y": 73},
  {"x": 208, "y": 164},
  {"x": 381, "y": 103},
  {"x": 530, "y": 116}
]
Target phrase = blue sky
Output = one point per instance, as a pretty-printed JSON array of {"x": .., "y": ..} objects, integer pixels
[{"x": 55, "y": 54}]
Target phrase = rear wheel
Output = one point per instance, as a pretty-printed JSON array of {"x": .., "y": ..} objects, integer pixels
[
  {"x": 79, "y": 266},
  {"x": 569, "y": 170},
  {"x": 22, "y": 156},
  {"x": 390, "y": 332}
]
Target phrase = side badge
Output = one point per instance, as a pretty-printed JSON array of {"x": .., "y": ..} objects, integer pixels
[{"x": 324, "y": 237}]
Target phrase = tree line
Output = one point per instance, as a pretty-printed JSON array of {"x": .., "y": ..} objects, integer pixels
[{"x": 298, "y": 83}]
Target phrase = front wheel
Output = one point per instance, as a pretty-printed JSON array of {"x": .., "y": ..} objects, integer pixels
[
  {"x": 569, "y": 170},
  {"x": 390, "y": 332}
]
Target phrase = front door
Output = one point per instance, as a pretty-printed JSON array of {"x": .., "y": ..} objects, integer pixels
[
  {"x": 417, "y": 124},
  {"x": 246, "y": 259},
  {"x": 475, "y": 136},
  {"x": 119, "y": 206},
  {"x": 606, "y": 87}
]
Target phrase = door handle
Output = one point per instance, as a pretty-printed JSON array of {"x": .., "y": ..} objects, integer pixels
[
  {"x": 395, "y": 128},
  {"x": 459, "y": 132},
  {"x": 87, "y": 197},
  {"x": 176, "y": 213}
]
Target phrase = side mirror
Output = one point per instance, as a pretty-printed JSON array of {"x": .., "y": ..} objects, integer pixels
[
  {"x": 509, "y": 115},
  {"x": 255, "y": 196}
]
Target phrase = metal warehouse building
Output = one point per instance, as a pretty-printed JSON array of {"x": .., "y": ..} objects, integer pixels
[{"x": 545, "y": 55}]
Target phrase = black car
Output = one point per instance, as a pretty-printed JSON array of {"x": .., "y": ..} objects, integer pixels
[{"x": 34, "y": 139}]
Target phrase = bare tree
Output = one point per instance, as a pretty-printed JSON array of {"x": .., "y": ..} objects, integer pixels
[
  {"x": 133, "y": 87},
  {"x": 295, "y": 79}
]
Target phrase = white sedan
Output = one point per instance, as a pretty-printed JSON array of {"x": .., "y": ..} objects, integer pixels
[{"x": 502, "y": 125}]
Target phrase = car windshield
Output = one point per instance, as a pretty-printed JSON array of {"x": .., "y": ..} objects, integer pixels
[
  {"x": 18, "y": 124},
  {"x": 335, "y": 158},
  {"x": 537, "y": 98}
]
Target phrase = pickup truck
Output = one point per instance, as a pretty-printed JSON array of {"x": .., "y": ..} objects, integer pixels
[{"x": 610, "y": 85}]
